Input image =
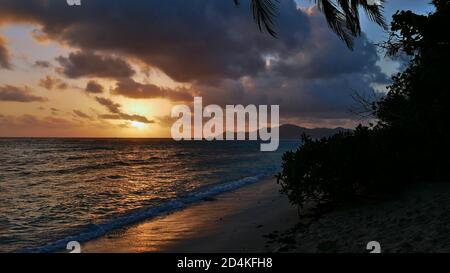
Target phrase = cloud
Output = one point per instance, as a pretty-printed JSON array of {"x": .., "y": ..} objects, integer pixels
[
  {"x": 30, "y": 121},
  {"x": 51, "y": 83},
  {"x": 109, "y": 104},
  {"x": 117, "y": 114},
  {"x": 299, "y": 99},
  {"x": 80, "y": 114},
  {"x": 4, "y": 55},
  {"x": 166, "y": 121},
  {"x": 18, "y": 94},
  {"x": 94, "y": 88},
  {"x": 26, "y": 125},
  {"x": 215, "y": 48},
  {"x": 132, "y": 89},
  {"x": 88, "y": 64},
  {"x": 123, "y": 116},
  {"x": 42, "y": 64},
  {"x": 192, "y": 40}
]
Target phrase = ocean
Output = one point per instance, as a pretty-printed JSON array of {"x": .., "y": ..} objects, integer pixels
[{"x": 57, "y": 190}]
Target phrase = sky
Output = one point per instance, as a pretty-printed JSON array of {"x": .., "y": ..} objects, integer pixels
[{"x": 115, "y": 68}]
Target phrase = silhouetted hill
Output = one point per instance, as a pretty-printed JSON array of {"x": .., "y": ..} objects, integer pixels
[{"x": 290, "y": 131}]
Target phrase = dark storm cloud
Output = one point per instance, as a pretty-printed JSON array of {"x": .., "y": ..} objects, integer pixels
[
  {"x": 88, "y": 64},
  {"x": 18, "y": 94},
  {"x": 312, "y": 82},
  {"x": 188, "y": 40},
  {"x": 4, "y": 55},
  {"x": 132, "y": 89},
  {"x": 93, "y": 87},
  {"x": 329, "y": 60},
  {"x": 214, "y": 46},
  {"x": 307, "y": 99}
]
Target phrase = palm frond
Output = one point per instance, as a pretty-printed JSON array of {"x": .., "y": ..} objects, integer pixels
[
  {"x": 342, "y": 16},
  {"x": 375, "y": 12},
  {"x": 351, "y": 16},
  {"x": 337, "y": 21},
  {"x": 264, "y": 14}
]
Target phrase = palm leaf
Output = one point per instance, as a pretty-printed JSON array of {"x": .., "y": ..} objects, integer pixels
[
  {"x": 342, "y": 16},
  {"x": 264, "y": 14}
]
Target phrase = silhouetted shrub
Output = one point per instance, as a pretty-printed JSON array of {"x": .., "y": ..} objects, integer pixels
[{"x": 410, "y": 143}]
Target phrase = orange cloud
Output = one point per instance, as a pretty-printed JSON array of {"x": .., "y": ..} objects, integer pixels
[
  {"x": 18, "y": 94},
  {"x": 4, "y": 55}
]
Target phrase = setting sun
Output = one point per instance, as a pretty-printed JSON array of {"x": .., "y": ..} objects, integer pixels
[{"x": 138, "y": 125}]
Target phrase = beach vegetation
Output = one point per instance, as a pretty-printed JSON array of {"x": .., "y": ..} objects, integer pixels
[{"x": 408, "y": 143}]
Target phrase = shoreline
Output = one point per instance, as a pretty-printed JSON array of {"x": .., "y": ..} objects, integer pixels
[
  {"x": 235, "y": 221},
  {"x": 258, "y": 219}
]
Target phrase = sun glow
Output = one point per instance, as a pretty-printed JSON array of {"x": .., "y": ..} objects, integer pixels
[{"x": 138, "y": 125}]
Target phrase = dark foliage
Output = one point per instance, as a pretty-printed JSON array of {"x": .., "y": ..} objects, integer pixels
[{"x": 410, "y": 143}]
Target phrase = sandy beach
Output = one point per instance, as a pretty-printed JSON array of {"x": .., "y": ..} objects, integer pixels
[
  {"x": 237, "y": 221},
  {"x": 416, "y": 220},
  {"x": 257, "y": 218}
]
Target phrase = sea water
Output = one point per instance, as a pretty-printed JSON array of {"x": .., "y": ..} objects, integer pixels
[{"x": 56, "y": 190}]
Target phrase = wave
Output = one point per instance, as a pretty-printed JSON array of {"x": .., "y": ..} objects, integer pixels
[
  {"x": 98, "y": 230},
  {"x": 88, "y": 167}
]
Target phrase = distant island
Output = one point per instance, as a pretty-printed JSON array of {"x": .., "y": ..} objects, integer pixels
[
  {"x": 290, "y": 131},
  {"x": 294, "y": 132}
]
